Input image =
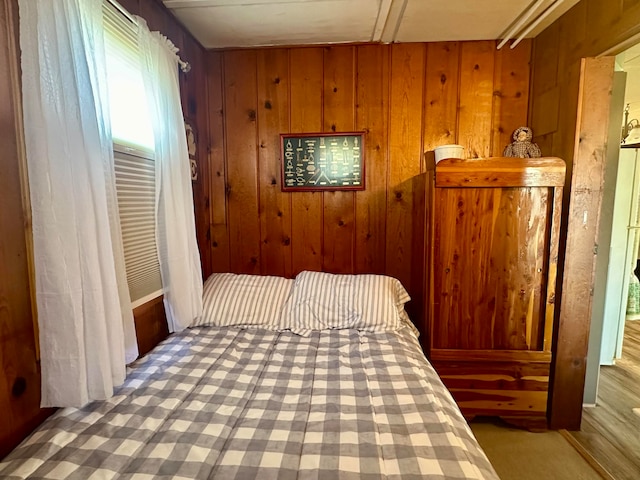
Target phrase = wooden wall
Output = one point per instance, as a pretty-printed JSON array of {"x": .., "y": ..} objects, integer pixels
[
  {"x": 590, "y": 28},
  {"x": 19, "y": 371},
  {"x": 408, "y": 98},
  {"x": 19, "y": 368}
]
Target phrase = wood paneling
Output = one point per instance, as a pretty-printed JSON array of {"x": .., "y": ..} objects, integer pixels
[
  {"x": 219, "y": 235},
  {"x": 408, "y": 98},
  {"x": 193, "y": 91},
  {"x": 275, "y": 205},
  {"x": 441, "y": 94},
  {"x": 582, "y": 233},
  {"x": 151, "y": 325},
  {"x": 307, "y": 222},
  {"x": 19, "y": 370},
  {"x": 590, "y": 28},
  {"x": 240, "y": 104},
  {"x": 477, "y": 60},
  {"x": 510, "y": 96},
  {"x": 372, "y": 106},
  {"x": 339, "y": 115},
  {"x": 405, "y": 155}
]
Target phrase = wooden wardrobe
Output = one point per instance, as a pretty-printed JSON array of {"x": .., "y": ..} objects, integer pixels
[{"x": 492, "y": 250}]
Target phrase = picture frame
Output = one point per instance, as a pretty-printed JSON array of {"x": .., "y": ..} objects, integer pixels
[{"x": 322, "y": 161}]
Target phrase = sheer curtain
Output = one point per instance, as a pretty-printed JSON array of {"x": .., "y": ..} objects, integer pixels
[
  {"x": 175, "y": 227},
  {"x": 84, "y": 314}
]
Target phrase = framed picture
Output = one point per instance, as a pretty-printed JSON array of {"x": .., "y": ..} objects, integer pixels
[
  {"x": 322, "y": 161},
  {"x": 192, "y": 145}
]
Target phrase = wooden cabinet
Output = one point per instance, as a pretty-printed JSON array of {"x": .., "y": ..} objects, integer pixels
[{"x": 492, "y": 249}]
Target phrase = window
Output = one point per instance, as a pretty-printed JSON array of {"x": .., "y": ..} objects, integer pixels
[{"x": 133, "y": 145}]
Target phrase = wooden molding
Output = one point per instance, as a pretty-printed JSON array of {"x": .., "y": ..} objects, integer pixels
[
  {"x": 501, "y": 172},
  {"x": 574, "y": 313}
]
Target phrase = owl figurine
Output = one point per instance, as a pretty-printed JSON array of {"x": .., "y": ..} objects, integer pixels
[{"x": 522, "y": 146}]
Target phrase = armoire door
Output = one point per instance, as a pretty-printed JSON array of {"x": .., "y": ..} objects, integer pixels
[{"x": 493, "y": 282}]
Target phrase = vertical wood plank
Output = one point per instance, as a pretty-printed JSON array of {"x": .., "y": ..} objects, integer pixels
[
  {"x": 372, "y": 103},
  {"x": 606, "y": 15},
  {"x": 305, "y": 66},
  {"x": 441, "y": 94},
  {"x": 19, "y": 372},
  {"x": 338, "y": 116},
  {"x": 405, "y": 156},
  {"x": 476, "y": 97},
  {"x": 273, "y": 119},
  {"x": 511, "y": 94},
  {"x": 197, "y": 97},
  {"x": 240, "y": 97},
  {"x": 545, "y": 60},
  {"x": 573, "y": 30},
  {"x": 572, "y": 332},
  {"x": 219, "y": 233},
  {"x": 563, "y": 137}
]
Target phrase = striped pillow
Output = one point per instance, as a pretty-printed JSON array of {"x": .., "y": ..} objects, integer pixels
[
  {"x": 321, "y": 301},
  {"x": 243, "y": 300}
]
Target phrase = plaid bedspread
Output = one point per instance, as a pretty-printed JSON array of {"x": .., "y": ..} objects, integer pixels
[{"x": 229, "y": 403}]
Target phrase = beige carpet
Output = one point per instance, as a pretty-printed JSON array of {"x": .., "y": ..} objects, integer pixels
[{"x": 521, "y": 455}]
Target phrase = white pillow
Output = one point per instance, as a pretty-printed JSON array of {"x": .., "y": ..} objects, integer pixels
[
  {"x": 243, "y": 300},
  {"x": 319, "y": 301}
]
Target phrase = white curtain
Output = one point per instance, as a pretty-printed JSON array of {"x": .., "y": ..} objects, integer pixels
[
  {"x": 84, "y": 314},
  {"x": 175, "y": 227}
]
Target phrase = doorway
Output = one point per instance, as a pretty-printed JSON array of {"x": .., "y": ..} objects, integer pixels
[
  {"x": 611, "y": 417},
  {"x": 619, "y": 236},
  {"x": 622, "y": 297}
]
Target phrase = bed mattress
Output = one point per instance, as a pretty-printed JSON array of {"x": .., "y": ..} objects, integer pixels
[{"x": 234, "y": 403}]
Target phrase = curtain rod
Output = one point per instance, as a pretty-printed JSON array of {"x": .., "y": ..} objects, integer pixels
[{"x": 184, "y": 66}]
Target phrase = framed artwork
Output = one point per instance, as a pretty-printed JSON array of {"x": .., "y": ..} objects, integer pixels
[
  {"x": 192, "y": 142},
  {"x": 322, "y": 161}
]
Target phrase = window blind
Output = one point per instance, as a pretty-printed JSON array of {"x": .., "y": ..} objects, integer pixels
[{"x": 133, "y": 156}]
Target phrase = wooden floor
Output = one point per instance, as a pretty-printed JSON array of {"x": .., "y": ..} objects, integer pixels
[{"x": 610, "y": 432}]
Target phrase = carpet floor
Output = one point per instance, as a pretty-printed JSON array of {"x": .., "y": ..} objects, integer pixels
[{"x": 521, "y": 455}]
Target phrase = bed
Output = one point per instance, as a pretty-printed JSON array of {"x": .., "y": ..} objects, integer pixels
[{"x": 260, "y": 399}]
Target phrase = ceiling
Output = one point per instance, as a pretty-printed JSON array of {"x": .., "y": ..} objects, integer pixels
[{"x": 248, "y": 23}]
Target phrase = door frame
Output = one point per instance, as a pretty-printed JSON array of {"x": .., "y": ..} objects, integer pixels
[
  {"x": 571, "y": 329},
  {"x": 602, "y": 298}
]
